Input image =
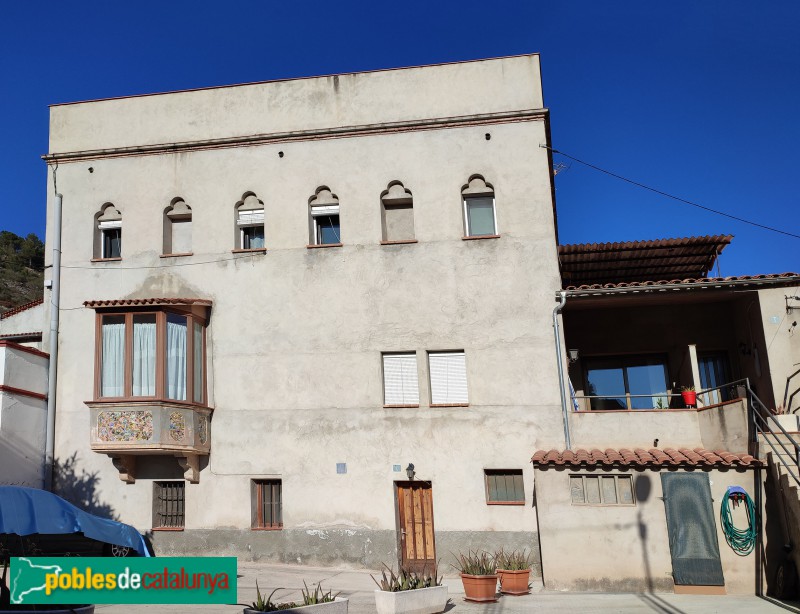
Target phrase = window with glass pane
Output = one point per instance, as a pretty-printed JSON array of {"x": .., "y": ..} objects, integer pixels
[
  {"x": 628, "y": 382},
  {"x": 714, "y": 373},
  {"x": 197, "y": 349},
  {"x": 144, "y": 355},
  {"x": 253, "y": 237},
  {"x": 328, "y": 229},
  {"x": 176, "y": 357},
  {"x": 112, "y": 242},
  {"x": 112, "y": 358},
  {"x": 480, "y": 216}
]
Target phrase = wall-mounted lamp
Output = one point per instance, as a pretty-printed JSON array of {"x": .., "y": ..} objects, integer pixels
[
  {"x": 573, "y": 356},
  {"x": 410, "y": 471}
]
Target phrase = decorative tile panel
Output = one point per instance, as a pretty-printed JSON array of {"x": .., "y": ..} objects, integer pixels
[
  {"x": 177, "y": 426},
  {"x": 125, "y": 425},
  {"x": 202, "y": 429}
]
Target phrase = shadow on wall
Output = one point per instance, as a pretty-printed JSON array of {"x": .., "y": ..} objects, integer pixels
[{"x": 79, "y": 489}]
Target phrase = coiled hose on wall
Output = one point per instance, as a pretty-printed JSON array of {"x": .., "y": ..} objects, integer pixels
[{"x": 742, "y": 541}]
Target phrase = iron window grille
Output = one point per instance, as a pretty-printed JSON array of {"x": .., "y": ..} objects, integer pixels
[{"x": 169, "y": 505}]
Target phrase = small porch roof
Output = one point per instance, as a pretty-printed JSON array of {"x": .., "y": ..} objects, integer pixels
[
  {"x": 639, "y": 261},
  {"x": 639, "y": 457}
]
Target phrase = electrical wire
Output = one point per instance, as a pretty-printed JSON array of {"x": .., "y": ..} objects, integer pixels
[
  {"x": 742, "y": 541},
  {"x": 672, "y": 196}
]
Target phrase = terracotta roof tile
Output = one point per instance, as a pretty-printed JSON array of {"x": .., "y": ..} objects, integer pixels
[
  {"x": 25, "y": 307},
  {"x": 640, "y": 457},
  {"x": 135, "y": 302},
  {"x": 32, "y": 335},
  {"x": 691, "y": 282}
]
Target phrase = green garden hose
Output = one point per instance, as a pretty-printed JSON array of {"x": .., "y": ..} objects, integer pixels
[{"x": 742, "y": 541}]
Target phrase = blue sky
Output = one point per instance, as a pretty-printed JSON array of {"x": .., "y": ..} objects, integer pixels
[{"x": 698, "y": 99}]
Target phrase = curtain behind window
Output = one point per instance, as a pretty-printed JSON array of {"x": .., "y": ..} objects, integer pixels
[
  {"x": 176, "y": 357},
  {"x": 112, "y": 378},
  {"x": 144, "y": 356}
]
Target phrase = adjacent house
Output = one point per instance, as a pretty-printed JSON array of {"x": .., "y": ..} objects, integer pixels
[{"x": 23, "y": 389}]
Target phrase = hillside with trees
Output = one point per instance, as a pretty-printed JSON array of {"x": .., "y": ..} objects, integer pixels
[{"x": 21, "y": 269}]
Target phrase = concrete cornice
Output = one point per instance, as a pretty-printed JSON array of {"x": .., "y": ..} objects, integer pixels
[{"x": 302, "y": 135}]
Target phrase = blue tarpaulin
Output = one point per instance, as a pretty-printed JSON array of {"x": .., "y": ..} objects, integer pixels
[{"x": 26, "y": 511}]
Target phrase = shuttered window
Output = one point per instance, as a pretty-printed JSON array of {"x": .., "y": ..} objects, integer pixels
[
  {"x": 400, "y": 383},
  {"x": 448, "y": 378},
  {"x": 504, "y": 486},
  {"x": 601, "y": 490},
  {"x": 267, "y": 504},
  {"x": 168, "y": 505}
]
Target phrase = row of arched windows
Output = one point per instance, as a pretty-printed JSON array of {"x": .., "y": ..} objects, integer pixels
[{"x": 397, "y": 220}]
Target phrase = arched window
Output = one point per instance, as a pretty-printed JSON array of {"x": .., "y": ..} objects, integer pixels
[
  {"x": 397, "y": 213},
  {"x": 323, "y": 209},
  {"x": 178, "y": 228},
  {"x": 480, "y": 219},
  {"x": 108, "y": 233},
  {"x": 250, "y": 222}
]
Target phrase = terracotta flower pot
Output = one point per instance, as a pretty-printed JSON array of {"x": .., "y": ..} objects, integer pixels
[
  {"x": 481, "y": 589},
  {"x": 514, "y": 582},
  {"x": 689, "y": 397}
]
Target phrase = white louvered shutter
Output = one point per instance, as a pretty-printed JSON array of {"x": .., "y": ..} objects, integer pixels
[
  {"x": 400, "y": 383},
  {"x": 448, "y": 378},
  {"x": 251, "y": 216}
]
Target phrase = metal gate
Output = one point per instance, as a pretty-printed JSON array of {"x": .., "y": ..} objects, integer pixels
[{"x": 692, "y": 529}]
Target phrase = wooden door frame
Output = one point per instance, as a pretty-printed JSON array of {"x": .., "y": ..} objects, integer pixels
[{"x": 397, "y": 485}]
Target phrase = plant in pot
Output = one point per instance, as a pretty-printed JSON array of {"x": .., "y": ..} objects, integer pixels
[
  {"x": 689, "y": 396},
  {"x": 479, "y": 576},
  {"x": 514, "y": 569},
  {"x": 408, "y": 592},
  {"x": 316, "y": 602}
]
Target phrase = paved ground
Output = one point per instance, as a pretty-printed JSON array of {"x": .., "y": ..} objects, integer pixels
[{"x": 358, "y": 587}]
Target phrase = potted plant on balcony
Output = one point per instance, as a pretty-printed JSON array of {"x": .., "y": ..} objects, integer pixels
[
  {"x": 408, "y": 592},
  {"x": 316, "y": 602},
  {"x": 689, "y": 396},
  {"x": 514, "y": 569},
  {"x": 479, "y": 575}
]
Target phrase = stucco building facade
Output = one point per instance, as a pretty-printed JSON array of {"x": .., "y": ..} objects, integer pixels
[{"x": 277, "y": 297}]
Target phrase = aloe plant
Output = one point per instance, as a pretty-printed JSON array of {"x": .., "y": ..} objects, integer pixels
[
  {"x": 476, "y": 563},
  {"x": 405, "y": 580},
  {"x": 516, "y": 560},
  {"x": 267, "y": 605},
  {"x": 318, "y": 596}
]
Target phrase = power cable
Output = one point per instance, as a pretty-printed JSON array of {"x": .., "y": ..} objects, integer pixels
[{"x": 672, "y": 196}]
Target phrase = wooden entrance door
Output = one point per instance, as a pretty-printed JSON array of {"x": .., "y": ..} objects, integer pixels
[{"x": 415, "y": 519}]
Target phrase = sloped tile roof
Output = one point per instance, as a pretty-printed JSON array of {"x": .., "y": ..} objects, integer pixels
[
  {"x": 690, "y": 282},
  {"x": 25, "y": 307},
  {"x": 137, "y": 302},
  {"x": 639, "y": 457},
  {"x": 638, "y": 261}
]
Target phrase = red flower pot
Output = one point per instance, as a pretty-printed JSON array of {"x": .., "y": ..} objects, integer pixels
[
  {"x": 689, "y": 397},
  {"x": 481, "y": 589},
  {"x": 514, "y": 582}
]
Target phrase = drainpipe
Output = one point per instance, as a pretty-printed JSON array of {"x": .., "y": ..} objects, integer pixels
[
  {"x": 562, "y": 298},
  {"x": 55, "y": 295}
]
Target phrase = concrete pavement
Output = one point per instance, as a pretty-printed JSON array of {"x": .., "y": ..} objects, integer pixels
[{"x": 358, "y": 587}]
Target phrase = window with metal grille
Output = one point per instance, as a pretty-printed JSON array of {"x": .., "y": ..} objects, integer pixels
[
  {"x": 168, "y": 505},
  {"x": 601, "y": 489},
  {"x": 267, "y": 503},
  {"x": 504, "y": 486}
]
